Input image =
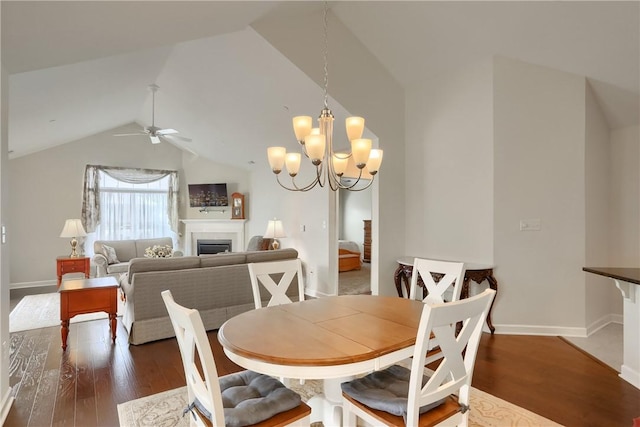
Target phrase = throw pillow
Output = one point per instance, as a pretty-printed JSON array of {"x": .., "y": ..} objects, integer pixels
[{"x": 110, "y": 254}]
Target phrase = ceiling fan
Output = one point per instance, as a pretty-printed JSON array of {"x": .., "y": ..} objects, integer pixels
[{"x": 156, "y": 134}]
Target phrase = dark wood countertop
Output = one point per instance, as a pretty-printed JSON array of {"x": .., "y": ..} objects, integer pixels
[{"x": 631, "y": 275}]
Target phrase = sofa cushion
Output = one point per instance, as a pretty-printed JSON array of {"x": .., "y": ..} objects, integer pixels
[
  {"x": 142, "y": 244},
  {"x": 223, "y": 258},
  {"x": 120, "y": 267},
  {"x": 139, "y": 265},
  {"x": 264, "y": 256},
  {"x": 110, "y": 254},
  {"x": 125, "y": 249}
]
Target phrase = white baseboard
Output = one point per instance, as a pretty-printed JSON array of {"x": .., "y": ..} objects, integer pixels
[
  {"x": 562, "y": 331},
  {"x": 540, "y": 330},
  {"x": 5, "y": 405},
  {"x": 315, "y": 294},
  {"x": 41, "y": 283},
  {"x": 602, "y": 322},
  {"x": 629, "y": 375}
]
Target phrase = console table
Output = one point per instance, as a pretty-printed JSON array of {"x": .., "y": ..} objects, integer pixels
[
  {"x": 83, "y": 296},
  {"x": 473, "y": 272},
  {"x": 627, "y": 280},
  {"x": 66, "y": 264}
]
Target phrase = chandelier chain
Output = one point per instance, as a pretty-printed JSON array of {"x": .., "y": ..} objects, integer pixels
[{"x": 326, "y": 56}]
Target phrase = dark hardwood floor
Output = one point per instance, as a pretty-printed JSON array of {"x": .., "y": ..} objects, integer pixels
[{"x": 82, "y": 386}]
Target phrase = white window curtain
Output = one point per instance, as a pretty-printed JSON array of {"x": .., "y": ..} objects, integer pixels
[{"x": 136, "y": 207}]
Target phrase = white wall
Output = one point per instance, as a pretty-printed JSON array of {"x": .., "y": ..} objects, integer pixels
[
  {"x": 625, "y": 197},
  {"x": 6, "y": 399},
  {"x": 355, "y": 206},
  {"x": 198, "y": 170},
  {"x": 539, "y": 156},
  {"x": 602, "y": 299},
  {"x": 449, "y": 167},
  {"x": 374, "y": 95},
  {"x": 46, "y": 189}
]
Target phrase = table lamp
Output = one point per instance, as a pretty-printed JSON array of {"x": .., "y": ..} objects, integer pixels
[
  {"x": 274, "y": 231},
  {"x": 73, "y": 228}
]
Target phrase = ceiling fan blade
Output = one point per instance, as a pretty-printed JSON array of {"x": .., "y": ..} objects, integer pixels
[
  {"x": 129, "y": 134},
  {"x": 155, "y": 139},
  {"x": 166, "y": 131},
  {"x": 182, "y": 138}
]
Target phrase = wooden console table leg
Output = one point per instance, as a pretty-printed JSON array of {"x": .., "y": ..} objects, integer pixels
[
  {"x": 64, "y": 332},
  {"x": 398, "y": 277},
  {"x": 493, "y": 284},
  {"x": 479, "y": 276},
  {"x": 114, "y": 324}
]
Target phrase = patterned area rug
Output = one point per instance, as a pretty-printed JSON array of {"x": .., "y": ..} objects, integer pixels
[
  {"x": 165, "y": 409},
  {"x": 43, "y": 311}
]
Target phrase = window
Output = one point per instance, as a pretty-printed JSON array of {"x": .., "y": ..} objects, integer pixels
[
  {"x": 132, "y": 211},
  {"x": 123, "y": 203}
]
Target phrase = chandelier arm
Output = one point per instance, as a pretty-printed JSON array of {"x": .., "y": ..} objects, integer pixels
[
  {"x": 295, "y": 187},
  {"x": 351, "y": 187}
]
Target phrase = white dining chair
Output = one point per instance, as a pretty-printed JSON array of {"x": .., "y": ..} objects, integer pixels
[
  {"x": 449, "y": 286},
  {"x": 265, "y": 274},
  {"x": 446, "y": 289},
  {"x": 398, "y": 396},
  {"x": 235, "y": 400}
]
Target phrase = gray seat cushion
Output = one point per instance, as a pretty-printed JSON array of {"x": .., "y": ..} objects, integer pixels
[
  {"x": 385, "y": 390},
  {"x": 249, "y": 398},
  {"x": 120, "y": 267}
]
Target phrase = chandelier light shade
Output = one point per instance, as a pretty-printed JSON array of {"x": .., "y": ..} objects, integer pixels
[
  {"x": 274, "y": 231},
  {"x": 317, "y": 145},
  {"x": 73, "y": 228}
]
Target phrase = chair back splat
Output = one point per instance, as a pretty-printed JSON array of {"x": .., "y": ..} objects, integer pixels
[
  {"x": 264, "y": 275},
  {"x": 439, "y": 278},
  {"x": 399, "y": 396}
]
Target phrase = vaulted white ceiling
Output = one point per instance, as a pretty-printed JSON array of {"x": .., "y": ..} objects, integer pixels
[{"x": 79, "y": 68}]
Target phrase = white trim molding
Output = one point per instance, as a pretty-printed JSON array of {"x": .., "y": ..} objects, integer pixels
[
  {"x": 5, "y": 406},
  {"x": 232, "y": 229}
]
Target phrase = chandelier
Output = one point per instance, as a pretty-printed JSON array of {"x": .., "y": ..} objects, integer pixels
[{"x": 317, "y": 145}]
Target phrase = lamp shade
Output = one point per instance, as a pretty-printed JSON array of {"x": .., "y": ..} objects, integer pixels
[
  {"x": 73, "y": 228},
  {"x": 274, "y": 230}
]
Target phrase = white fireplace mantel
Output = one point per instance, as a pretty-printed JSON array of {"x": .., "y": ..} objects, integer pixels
[{"x": 232, "y": 229}]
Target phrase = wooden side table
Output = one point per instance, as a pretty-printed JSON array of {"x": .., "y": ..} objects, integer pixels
[
  {"x": 66, "y": 264},
  {"x": 83, "y": 296},
  {"x": 475, "y": 272}
]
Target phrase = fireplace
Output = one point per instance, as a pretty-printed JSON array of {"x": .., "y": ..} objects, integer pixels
[
  {"x": 213, "y": 246},
  {"x": 212, "y": 229}
]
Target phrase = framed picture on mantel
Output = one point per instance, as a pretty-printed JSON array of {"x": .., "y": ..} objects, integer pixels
[{"x": 237, "y": 206}]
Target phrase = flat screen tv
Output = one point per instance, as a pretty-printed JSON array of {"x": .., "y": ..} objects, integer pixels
[{"x": 202, "y": 195}]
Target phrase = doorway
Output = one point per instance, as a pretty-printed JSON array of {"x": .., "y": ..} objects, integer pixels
[{"x": 355, "y": 209}]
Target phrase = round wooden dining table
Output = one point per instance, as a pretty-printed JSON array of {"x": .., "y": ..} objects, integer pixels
[{"x": 330, "y": 338}]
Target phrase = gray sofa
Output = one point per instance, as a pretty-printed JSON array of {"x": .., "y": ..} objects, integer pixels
[
  {"x": 126, "y": 250},
  {"x": 217, "y": 285}
]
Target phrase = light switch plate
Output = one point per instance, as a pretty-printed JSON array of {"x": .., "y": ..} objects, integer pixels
[{"x": 530, "y": 224}]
